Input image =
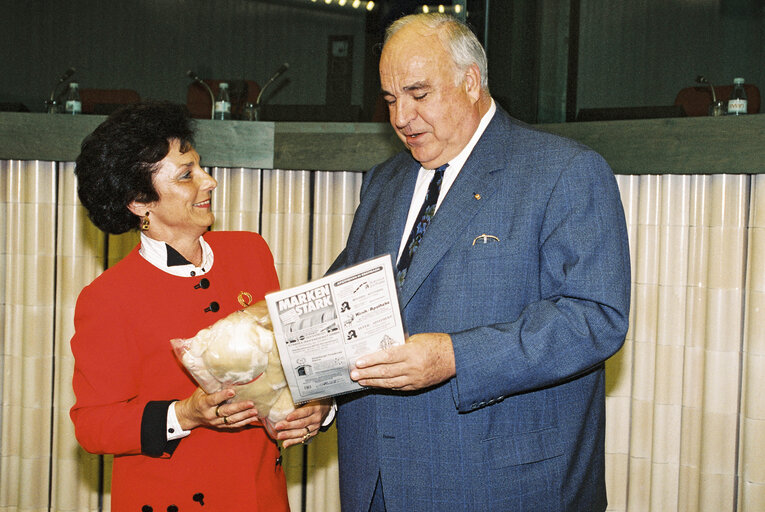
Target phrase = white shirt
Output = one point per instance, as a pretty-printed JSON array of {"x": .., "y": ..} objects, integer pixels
[
  {"x": 155, "y": 252},
  {"x": 450, "y": 174}
]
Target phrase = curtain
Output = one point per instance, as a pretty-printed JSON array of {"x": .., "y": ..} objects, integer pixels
[
  {"x": 675, "y": 396},
  {"x": 685, "y": 415}
]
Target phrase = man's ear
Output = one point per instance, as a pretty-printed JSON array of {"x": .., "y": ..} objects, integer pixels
[{"x": 473, "y": 82}]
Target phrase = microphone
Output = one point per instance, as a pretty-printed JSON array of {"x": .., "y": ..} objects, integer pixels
[
  {"x": 279, "y": 72},
  {"x": 716, "y": 107},
  {"x": 701, "y": 79},
  {"x": 63, "y": 78},
  {"x": 69, "y": 72},
  {"x": 198, "y": 80}
]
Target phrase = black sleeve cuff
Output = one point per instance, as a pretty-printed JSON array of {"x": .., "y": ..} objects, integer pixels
[{"x": 154, "y": 441}]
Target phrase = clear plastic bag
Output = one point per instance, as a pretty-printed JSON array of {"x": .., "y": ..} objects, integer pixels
[{"x": 239, "y": 352}]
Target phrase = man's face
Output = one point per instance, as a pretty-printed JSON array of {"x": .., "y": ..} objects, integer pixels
[{"x": 433, "y": 107}]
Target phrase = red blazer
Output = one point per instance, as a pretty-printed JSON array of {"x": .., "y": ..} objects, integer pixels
[{"x": 124, "y": 321}]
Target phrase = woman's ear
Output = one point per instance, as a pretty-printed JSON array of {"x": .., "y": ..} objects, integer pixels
[{"x": 138, "y": 208}]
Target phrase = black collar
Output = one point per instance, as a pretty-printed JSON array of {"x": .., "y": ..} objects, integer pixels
[{"x": 174, "y": 258}]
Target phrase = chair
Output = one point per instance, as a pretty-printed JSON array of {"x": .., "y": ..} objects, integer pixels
[
  {"x": 696, "y": 100},
  {"x": 240, "y": 92},
  {"x": 106, "y": 101}
]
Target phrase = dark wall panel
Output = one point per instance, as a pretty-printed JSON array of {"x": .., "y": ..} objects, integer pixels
[{"x": 148, "y": 45}]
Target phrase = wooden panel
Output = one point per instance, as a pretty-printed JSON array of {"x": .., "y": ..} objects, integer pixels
[
  {"x": 43, "y": 136},
  {"x": 701, "y": 145},
  {"x": 333, "y": 146},
  {"x": 235, "y": 143},
  {"x": 58, "y": 138},
  {"x": 704, "y": 145}
]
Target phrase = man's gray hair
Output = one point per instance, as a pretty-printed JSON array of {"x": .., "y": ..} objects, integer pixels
[{"x": 459, "y": 41}]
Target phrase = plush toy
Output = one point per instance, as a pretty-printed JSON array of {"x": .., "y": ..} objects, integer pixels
[{"x": 239, "y": 351}]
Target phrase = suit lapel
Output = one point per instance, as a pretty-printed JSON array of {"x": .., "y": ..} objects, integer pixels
[
  {"x": 395, "y": 201},
  {"x": 476, "y": 179}
]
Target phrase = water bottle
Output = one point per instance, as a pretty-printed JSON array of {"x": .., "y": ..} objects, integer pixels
[
  {"x": 222, "y": 103},
  {"x": 737, "y": 102},
  {"x": 73, "y": 103}
]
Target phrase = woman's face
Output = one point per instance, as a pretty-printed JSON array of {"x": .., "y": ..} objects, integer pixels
[{"x": 184, "y": 189}]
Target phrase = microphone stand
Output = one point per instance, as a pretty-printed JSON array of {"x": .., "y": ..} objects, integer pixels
[
  {"x": 198, "y": 80},
  {"x": 716, "y": 108},
  {"x": 284, "y": 67},
  {"x": 50, "y": 105}
]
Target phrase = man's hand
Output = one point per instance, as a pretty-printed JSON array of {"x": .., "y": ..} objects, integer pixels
[{"x": 423, "y": 361}]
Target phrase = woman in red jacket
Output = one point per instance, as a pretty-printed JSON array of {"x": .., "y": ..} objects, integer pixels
[{"x": 175, "y": 447}]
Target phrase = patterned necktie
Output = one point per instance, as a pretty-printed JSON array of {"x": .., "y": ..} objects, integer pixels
[{"x": 421, "y": 224}]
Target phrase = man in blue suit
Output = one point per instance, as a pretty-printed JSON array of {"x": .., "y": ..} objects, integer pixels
[{"x": 514, "y": 294}]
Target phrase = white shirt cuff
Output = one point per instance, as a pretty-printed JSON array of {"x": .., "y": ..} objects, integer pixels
[
  {"x": 174, "y": 430},
  {"x": 330, "y": 415}
]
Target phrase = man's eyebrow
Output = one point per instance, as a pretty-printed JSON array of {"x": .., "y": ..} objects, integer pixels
[{"x": 417, "y": 86}]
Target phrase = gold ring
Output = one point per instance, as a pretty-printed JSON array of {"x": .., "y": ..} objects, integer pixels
[
  {"x": 307, "y": 431},
  {"x": 306, "y": 439},
  {"x": 217, "y": 412},
  {"x": 225, "y": 420}
]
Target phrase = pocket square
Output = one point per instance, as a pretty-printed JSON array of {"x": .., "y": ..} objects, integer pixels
[{"x": 485, "y": 239}]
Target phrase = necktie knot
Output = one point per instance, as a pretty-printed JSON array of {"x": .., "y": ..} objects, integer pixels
[{"x": 422, "y": 222}]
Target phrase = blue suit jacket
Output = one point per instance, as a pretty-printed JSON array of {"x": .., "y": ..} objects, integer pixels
[{"x": 532, "y": 317}]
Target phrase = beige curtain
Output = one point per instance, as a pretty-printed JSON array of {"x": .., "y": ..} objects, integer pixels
[
  {"x": 678, "y": 415},
  {"x": 686, "y": 417}
]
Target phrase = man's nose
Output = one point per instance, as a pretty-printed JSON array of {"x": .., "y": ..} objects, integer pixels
[{"x": 403, "y": 113}]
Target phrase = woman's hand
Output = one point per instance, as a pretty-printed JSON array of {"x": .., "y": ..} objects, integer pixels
[
  {"x": 203, "y": 410},
  {"x": 302, "y": 424}
]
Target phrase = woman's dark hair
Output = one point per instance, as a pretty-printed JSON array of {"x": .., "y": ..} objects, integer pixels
[{"x": 118, "y": 160}]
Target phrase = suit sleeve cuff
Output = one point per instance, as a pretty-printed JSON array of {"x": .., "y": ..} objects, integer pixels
[{"x": 154, "y": 430}]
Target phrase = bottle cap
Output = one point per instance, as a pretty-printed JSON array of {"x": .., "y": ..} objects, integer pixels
[
  {"x": 73, "y": 84},
  {"x": 738, "y": 80},
  {"x": 223, "y": 85}
]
